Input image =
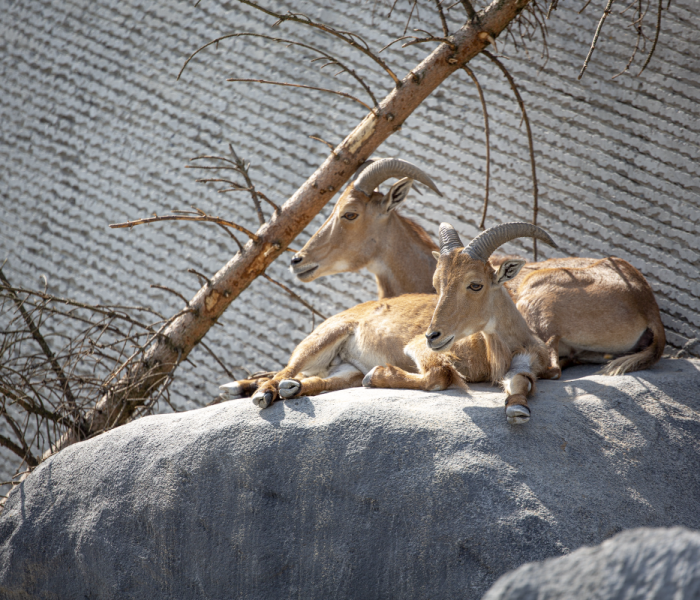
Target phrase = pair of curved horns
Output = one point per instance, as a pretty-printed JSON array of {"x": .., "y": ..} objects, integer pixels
[
  {"x": 487, "y": 242},
  {"x": 374, "y": 172}
]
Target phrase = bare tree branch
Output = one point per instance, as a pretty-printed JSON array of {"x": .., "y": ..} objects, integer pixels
[
  {"x": 443, "y": 20},
  {"x": 487, "y": 184},
  {"x": 352, "y": 39},
  {"x": 306, "y": 87},
  {"x": 205, "y": 219},
  {"x": 36, "y": 334},
  {"x": 294, "y": 295},
  {"x": 323, "y": 53},
  {"x": 659, "y": 10},
  {"x": 514, "y": 87},
  {"x": 606, "y": 12}
]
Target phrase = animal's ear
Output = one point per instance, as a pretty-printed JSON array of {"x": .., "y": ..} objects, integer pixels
[
  {"x": 397, "y": 194},
  {"x": 508, "y": 270},
  {"x": 436, "y": 255}
]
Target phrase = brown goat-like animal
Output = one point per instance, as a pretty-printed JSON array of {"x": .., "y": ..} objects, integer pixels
[
  {"x": 365, "y": 231},
  {"x": 383, "y": 343}
]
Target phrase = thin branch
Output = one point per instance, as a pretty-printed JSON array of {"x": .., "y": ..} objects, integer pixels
[
  {"x": 514, "y": 87},
  {"x": 243, "y": 169},
  {"x": 656, "y": 37},
  {"x": 443, "y": 21},
  {"x": 488, "y": 143},
  {"x": 352, "y": 39},
  {"x": 167, "y": 289},
  {"x": 469, "y": 9},
  {"x": 216, "y": 358},
  {"x": 320, "y": 139},
  {"x": 410, "y": 16},
  {"x": 36, "y": 334},
  {"x": 429, "y": 38},
  {"x": 606, "y": 12},
  {"x": 200, "y": 276},
  {"x": 323, "y": 53},
  {"x": 293, "y": 295},
  {"x": 306, "y": 87},
  {"x": 25, "y": 456},
  {"x": 204, "y": 219}
]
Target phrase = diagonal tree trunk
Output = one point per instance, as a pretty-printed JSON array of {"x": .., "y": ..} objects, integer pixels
[{"x": 185, "y": 331}]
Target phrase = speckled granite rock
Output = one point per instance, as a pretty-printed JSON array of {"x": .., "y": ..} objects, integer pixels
[
  {"x": 644, "y": 564},
  {"x": 356, "y": 494}
]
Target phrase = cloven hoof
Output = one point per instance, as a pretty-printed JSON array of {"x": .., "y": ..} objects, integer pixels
[
  {"x": 262, "y": 399},
  {"x": 367, "y": 380},
  {"x": 517, "y": 414},
  {"x": 289, "y": 388}
]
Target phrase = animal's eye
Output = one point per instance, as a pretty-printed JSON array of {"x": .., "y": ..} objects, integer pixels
[
  {"x": 350, "y": 216},
  {"x": 475, "y": 287}
]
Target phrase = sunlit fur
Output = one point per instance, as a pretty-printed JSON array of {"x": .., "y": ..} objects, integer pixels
[
  {"x": 384, "y": 343},
  {"x": 586, "y": 310},
  {"x": 392, "y": 247},
  {"x": 590, "y": 310}
]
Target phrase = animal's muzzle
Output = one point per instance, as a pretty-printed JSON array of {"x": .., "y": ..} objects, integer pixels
[{"x": 436, "y": 341}]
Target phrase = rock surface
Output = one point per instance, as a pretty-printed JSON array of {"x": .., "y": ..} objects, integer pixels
[
  {"x": 356, "y": 494},
  {"x": 644, "y": 564}
]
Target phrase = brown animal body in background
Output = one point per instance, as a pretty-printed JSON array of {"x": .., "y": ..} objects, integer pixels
[
  {"x": 383, "y": 343},
  {"x": 592, "y": 311}
]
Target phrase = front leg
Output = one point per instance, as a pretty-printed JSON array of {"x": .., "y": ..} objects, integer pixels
[
  {"x": 518, "y": 383},
  {"x": 437, "y": 378},
  {"x": 341, "y": 377},
  {"x": 242, "y": 388}
]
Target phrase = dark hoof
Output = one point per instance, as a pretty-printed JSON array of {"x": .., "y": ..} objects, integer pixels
[
  {"x": 289, "y": 388},
  {"x": 517, "y": 414},
  {"x": 263, "y": 399}
]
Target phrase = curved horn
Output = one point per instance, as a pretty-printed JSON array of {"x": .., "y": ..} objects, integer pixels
[
  {"x": 449, "y": 238},
  {"x": 382, "y": 169},
  {"x": 486, "y": 243},
  {"x": 362, "y": 167}
]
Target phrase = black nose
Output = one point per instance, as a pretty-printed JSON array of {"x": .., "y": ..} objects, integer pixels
[
  {"x": 296, "y": 259},
  {"x": 433, "y": 335}
]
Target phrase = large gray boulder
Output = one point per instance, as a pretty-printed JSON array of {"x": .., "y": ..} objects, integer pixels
[
  {"x": 642, "y": 564},
  {"x": 356, "y": 494}
]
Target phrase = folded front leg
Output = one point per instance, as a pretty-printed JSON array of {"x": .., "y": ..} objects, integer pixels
[
  {"x": 435, "y": 371},
  {"x": 341, "y": 377}
]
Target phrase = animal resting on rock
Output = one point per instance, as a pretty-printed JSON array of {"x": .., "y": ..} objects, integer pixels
[
  {"x": 586, "y": 310},
  {"x": 474, "y": 333}
]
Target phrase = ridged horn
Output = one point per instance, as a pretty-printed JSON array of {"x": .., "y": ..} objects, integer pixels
[
  {"x": 382, "y": 169},
  {"x": 449, "y": 238},
  {"x": 486, "y": 243}
]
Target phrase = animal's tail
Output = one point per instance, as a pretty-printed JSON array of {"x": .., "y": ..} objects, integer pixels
[{"x": 644, "y": 358}]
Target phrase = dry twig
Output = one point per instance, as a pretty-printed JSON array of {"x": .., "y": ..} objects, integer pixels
[
  {"x": 198, "y": 218},
  {"x": 352, "y": 39},
  {"x": 487, "y": 184},
  {"x": 514, "y": 87},
  {"x": 332, "y": 60}
]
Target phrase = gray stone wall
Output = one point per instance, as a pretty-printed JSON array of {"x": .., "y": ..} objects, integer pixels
[{"x": 96, "y": 129}]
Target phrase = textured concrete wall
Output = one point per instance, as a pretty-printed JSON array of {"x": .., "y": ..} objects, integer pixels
[{"x": 96, "y": 130}]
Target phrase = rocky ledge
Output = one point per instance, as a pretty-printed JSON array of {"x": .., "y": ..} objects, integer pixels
[{"x": 356, "y": 494}]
